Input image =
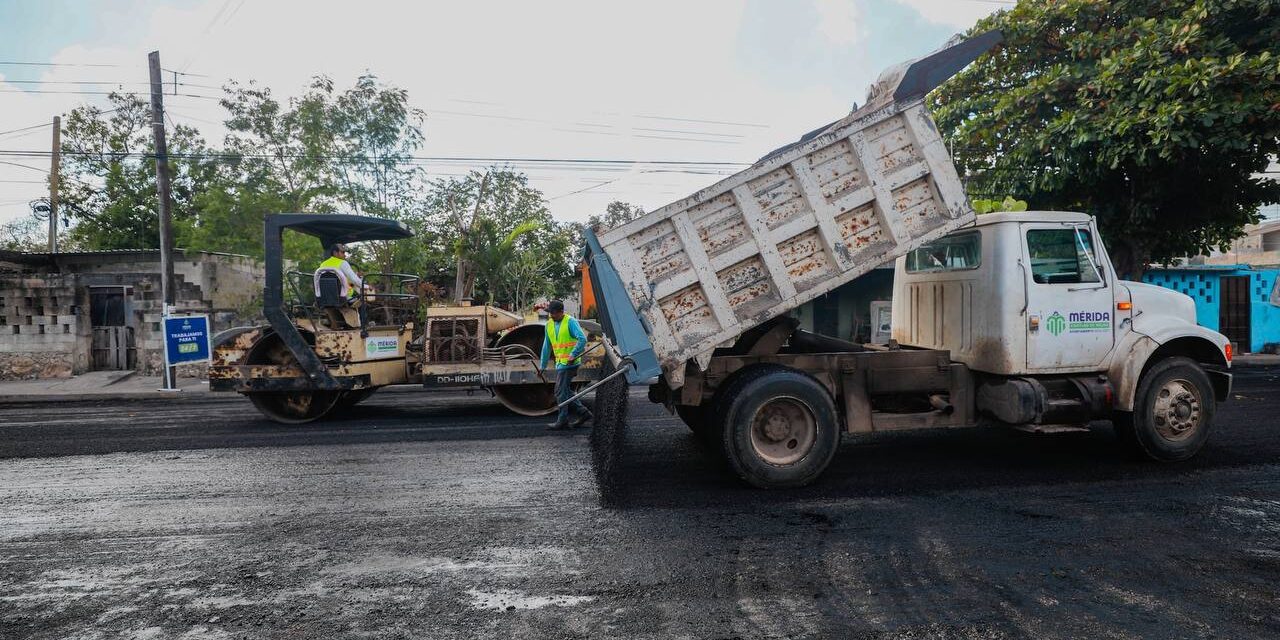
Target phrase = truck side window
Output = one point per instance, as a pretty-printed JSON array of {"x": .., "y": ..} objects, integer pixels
[
  {"x": 951, "y": 253},
  {"x": 1058, "y": 256}
]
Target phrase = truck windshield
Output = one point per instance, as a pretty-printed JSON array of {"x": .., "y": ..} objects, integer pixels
[
  {"x": 1058, "y": 256},
  {"x": 952, "y": 253}
]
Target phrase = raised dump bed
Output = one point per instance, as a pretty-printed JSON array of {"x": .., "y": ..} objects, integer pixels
[{"x": 807, "y": 218}]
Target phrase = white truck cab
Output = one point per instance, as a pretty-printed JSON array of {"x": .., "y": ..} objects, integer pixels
[{"x": 1030, "y": 303}]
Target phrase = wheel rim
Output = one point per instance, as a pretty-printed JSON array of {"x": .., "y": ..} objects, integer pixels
[
  {"x": 783, "y": 431},
  {"x": 1178, "y": 410}
]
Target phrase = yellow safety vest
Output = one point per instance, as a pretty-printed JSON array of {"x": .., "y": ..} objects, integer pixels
[
  {"x": 335, "y": 263},
  {"x": 562, "y": 343}
]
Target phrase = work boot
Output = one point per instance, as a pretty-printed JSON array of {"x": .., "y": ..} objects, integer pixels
[{"x": 583, "y": 418}]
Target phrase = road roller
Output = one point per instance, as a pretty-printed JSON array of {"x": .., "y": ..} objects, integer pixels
[{"x": 317, "y": 354}]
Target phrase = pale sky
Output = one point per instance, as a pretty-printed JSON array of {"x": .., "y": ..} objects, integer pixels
[{"x": 708, "y": 81}]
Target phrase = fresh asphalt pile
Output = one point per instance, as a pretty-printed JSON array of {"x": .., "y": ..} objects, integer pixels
[{"x": 608, "y": 437}]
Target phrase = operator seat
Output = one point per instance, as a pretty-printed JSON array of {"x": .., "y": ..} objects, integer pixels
[{"x": 329, "y": 285}]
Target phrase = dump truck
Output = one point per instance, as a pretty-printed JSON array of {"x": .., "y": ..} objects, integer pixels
[
  {"x": 314, "y": 355},
  {"x": 1010, "y": 318}
]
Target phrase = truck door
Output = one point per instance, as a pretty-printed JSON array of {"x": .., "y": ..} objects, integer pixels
[{"x": 1070, "y": 303}]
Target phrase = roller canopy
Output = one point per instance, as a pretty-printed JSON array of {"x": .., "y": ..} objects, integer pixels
[
  {"x": 333, "y": 227},
  {"x": 329, "y": 228}
]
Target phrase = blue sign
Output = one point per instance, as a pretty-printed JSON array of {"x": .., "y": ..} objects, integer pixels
[{"x": 186, "y": 339}]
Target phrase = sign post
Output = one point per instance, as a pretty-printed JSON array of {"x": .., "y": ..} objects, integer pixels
[{"x": 186, "y": 340}]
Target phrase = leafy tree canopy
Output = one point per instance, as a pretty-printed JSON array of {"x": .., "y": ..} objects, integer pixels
[
  {"x": 1008, "y": 203},
  {"x": 1153, "y": 115},
  {"x": 505, "y": 244},
  {"x": 616, "y": 213},
  {"x": 110, "y": 189}
]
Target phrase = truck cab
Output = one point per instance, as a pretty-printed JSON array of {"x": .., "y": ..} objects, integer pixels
[{"x": 1030, "y": 303}]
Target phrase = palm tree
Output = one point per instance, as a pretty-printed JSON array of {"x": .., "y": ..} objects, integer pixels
[{"x": 490, "y": 252}]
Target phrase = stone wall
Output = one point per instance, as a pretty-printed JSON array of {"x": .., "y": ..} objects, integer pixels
[
  {"x": 45, "y": 326},
  {"x": 43, "y": 333},
  {"x": 36, "y": 365}
]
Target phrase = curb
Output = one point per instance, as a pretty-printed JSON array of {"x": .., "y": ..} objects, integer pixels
[{"x": 43, "y": 398}]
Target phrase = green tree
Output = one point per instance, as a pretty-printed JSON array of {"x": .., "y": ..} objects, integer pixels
[
  {"x": 493, "y": 254},
  {"x": 325, "y": 151},
  {"x": 616, "y": 213},
  {"x": 377, "y": 133},
  {"x": 470, "y": 213},
  {"x": 1153, "y": 115},
  {"x": 24, "y": 234},
  {"x": 275, "y": 159},
  {"x": 1008, "y": 203},
  {"x": 285, "y": 147},
  {"x": 109, "y": 167},
  {"x": 528, "y": 276}
]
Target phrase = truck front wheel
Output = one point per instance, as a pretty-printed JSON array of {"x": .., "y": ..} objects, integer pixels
[
  {"x": 780, "y": 429},
  {"x": 1172, "y": 412}
]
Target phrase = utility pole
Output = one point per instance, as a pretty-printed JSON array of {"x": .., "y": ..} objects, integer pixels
[
  {"x": 54, "y": 175},
  {"x": 162, "y": 190}
]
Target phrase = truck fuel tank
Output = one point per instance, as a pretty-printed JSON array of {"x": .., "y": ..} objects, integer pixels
[{"x": 1060, "y": 400}]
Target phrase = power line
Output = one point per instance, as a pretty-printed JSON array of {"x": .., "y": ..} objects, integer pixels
[
  {"x": 640, "y": 135},
  {"x": 208, "y": 29},
  {"x": 105, "y": 93},
  {"x": 34, "y": 126},
  {"x": 46, "y": 172},
  {"x": 407, "y": 159},
  {"x": 199, "y": 86},
  {"x": 184, "y": 73},
  {"x": 25, "y": 166},
  {"x": 76, "y": 82},
  {"x": 696, "y": 133},
  {"x": 61, "y": 64},
  {"x": 187, "y": 117},
  {"x": 732, "y": 124}
]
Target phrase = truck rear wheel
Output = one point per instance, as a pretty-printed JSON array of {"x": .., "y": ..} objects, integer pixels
[
  {"x": 1172, "y": 412},
  {"x": 779, "y": 428}
]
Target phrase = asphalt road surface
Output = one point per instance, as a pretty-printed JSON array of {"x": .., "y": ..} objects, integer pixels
[{"x": 440, "y": 516}]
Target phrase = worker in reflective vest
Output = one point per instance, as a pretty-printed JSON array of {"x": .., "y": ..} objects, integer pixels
[
  {"x": 337, "y": 261},
  {"x": 565, "y": 341}
]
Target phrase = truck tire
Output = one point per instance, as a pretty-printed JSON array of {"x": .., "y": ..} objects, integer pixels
[
  {"x": 1172, "y": 412},
  {"x": 711, "y": 435},
  {"x": 779, "y": 428}
]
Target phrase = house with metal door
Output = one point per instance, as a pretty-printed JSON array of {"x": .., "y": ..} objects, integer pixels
[{"x": 1239, "y": 301}]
